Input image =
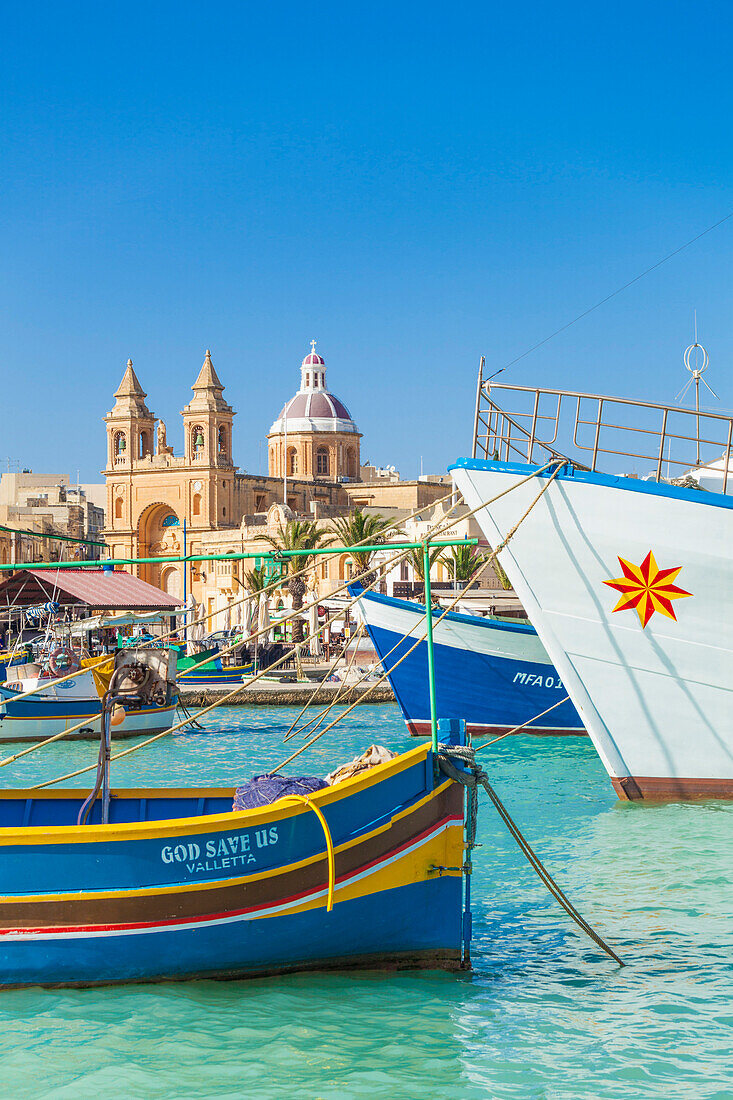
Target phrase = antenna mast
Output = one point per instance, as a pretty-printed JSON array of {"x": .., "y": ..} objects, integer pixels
[{"x": 696, "y": 360}]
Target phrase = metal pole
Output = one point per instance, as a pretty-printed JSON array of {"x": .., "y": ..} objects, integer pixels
[
  {"x": 431, "y": 655},
  {"x": 285, "y": 456},
  {"x": 185, "y": 584},
  {"x": 478, "y": 406},
  {"x": 276, "y": 556}
]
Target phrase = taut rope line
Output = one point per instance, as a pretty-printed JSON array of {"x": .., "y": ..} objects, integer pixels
[
  {"x": 470, "y": 779},
  {"x": 240, "y": 687},
  {"x": 450, "y": 606}
]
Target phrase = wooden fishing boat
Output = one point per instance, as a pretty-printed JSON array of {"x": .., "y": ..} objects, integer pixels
[
  {"x": 76, "y": 704},
  {"x": 212, "y": 672},
  {"x": 365, "y": 873},
  {"x": 495, "y": 674}
]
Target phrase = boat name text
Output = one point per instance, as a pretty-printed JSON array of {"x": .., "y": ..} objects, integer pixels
[
  {"x": 529, "y": 679},
  {"x": 219, "y": 853}
]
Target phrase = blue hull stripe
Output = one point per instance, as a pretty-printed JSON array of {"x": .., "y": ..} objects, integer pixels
[
  {"x": 489, "y": 691},
  {"x": 398, "y": 923}
]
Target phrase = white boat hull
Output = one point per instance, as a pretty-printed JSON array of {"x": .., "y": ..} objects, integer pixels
[{"x": 657, "y": 699}]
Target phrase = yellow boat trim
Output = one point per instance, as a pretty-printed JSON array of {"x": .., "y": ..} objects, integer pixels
[
  {"x": 444, "y": 850},
  {"x": 196, "y": 826},
  {"x": 218, "y": 884}
]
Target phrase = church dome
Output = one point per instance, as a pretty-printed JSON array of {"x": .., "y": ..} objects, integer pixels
[
  {"x": 312, "y": 359},
  {"x": 314, "y": 408}
]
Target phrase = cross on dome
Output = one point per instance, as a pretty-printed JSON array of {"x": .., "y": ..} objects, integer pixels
[{"x": 313, "y": 359}]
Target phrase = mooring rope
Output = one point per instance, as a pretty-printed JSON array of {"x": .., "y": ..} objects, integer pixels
[
  {"x": 529, "y": 722},
  {"x": 487, "y": 561},
  {"x": 350, "y": 603},
  {"x": 471, "y": 778},
  {"x": 200, "y": 713},
  {"x": 318, "y": 718},
  {"x": 304, "y": 800},
  {"x": 274, "y": 584}
]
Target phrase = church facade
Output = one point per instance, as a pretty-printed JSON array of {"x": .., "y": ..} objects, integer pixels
[{"x": 160, "y": 504}]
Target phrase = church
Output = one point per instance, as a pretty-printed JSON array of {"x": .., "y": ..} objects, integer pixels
[{"x": 313, "y": 456}]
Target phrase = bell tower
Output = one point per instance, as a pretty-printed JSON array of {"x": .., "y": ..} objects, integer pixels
[
  {"x": 207, "y": 433},
  {"x": 130, "y": 424},
  {"x": 130, "y": 435}
]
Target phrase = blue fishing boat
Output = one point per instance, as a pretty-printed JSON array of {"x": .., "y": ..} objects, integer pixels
[
  {"x": 213, "y": 672},
  {"x": 176, "y": 884},
  {"x": 495, "y": 674},
  {"x": 75, "y": 704}
]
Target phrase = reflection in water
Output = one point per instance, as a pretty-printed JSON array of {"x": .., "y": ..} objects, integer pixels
[{"x": 543, "y": 1013}]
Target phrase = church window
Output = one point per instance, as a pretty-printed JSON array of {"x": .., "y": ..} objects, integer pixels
[
  {"x": 351, "y": 463},
  {"x": 322, "y": 462},
  {"x": 292, "y": 461},
  {"x": 197, "y": 438},
  {"x": 120, "y": 444},
  {"x": 197, "y": 504},
  {"x": 170, "y": 521},
  {"x": 307, "y": 378},
  {"x": 222, "y": 439},
  {"x": 144, "y": 448},
  {"x": 119, "y": 505}
]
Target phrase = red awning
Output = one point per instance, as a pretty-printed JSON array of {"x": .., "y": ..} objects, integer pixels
[{"x": 100, "y": 589}]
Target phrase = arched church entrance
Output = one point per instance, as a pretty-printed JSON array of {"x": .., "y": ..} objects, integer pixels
[{"x": 159, "y": 535}]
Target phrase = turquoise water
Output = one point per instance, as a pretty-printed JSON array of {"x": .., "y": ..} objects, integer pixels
[{"x": 543, "y": 1014}]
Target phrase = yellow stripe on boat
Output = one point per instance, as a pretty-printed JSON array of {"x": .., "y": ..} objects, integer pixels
[
  {"x": 218, "y": 884},
  {"x": 198, "y": 825}
]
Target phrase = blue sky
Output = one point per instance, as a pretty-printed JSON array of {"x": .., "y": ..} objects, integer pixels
[{"x": 412, "y": 185}]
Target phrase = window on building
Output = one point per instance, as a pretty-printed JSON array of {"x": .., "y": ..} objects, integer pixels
[
  {"x": 292, "y": 461},
  {"x": 404, "y": 571},
  {"x": 324, "y": 571},
  {"x": 351, "y": 463},
  {"x": 322, "y": 462},
  {"x": 222, "y": 440},
  {"x": 260, "y": 502},
  {"x": 120, "y": 444},
  {"x": 197, "y": 441},
  {"x": 144, "y": 445}
]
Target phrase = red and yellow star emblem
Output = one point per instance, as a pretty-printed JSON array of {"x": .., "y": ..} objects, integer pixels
[{"x": 647, "y": 588}]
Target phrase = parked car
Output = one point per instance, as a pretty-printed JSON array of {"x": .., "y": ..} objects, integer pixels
[{"x": 222, "y": 638}]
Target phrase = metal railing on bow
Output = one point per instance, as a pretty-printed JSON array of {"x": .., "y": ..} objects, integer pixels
[{"x": 531, "y": 425}]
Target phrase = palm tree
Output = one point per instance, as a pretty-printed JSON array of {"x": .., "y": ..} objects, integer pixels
[
  {"x": 297, "y": 534},
  {"x": 417, "y": 561},
  {"x": 464, "y": 562},
  {"x": 361, "y": 528},
  {"x": 503, "y": 579},
  {"x": 255, "y": 580}
]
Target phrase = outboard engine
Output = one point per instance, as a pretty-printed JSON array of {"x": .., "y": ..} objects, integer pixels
[
  {"x": 141, "y": 678},
  {"x": 145, "y": 676}
]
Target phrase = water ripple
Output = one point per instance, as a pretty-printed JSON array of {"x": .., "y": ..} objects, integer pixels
[{"x": 543, "y": 1015}]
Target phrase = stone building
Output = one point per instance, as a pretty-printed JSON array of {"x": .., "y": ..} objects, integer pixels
[
  {"x": 49, "y": 505},
  {"x": 154, "y": 495}
]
